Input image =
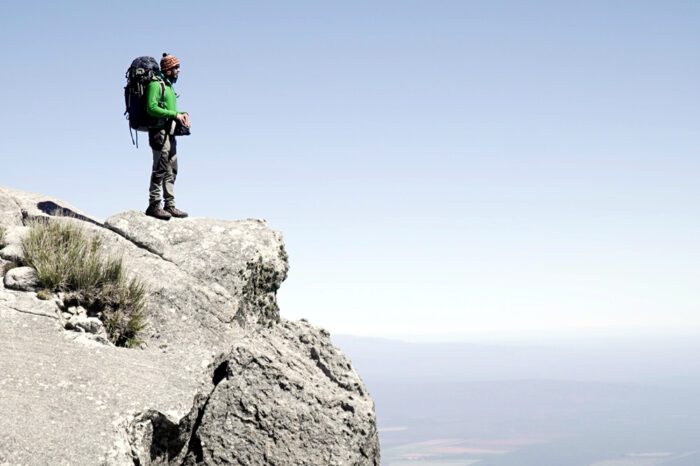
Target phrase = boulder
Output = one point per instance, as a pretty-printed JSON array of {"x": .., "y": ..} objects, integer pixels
[
  {"x": 16, "y": 206},
  {"x": 12, "y": 250},
  {"x": 21, "y": 279},
  {"x": 82, "y": 323},
  {"x": 75, "y": 310},
  {"x": 243, "y": 258},
  {"x": 282, "y": 396},
  {"x": 12, "y": 253}
]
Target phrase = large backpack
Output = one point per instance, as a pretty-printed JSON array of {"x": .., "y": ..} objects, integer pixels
[{"x": 142, "y": 71}]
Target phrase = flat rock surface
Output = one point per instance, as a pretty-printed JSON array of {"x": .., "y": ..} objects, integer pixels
[{"x": 63, "y": 397}]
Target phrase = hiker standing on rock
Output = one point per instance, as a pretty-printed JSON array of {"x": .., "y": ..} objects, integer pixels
[{"x": 161, "y": 103}]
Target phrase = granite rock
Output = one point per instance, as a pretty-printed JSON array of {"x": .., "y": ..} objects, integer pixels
[
  {"x": 222, "y": 377},
  {"x": 282, "y": 396},
  {"x": 21, "y": 279}
]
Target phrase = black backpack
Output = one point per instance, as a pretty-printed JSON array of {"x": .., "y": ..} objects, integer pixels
[{"x": 142, "y": 71}]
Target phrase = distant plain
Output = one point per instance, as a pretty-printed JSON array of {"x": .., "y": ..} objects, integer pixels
[{"x": 595, "y": 402}]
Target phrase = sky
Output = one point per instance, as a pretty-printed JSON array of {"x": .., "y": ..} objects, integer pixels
[{"x": 439, "y": 169}]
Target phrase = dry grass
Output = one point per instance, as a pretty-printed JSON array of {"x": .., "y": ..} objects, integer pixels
[{"x": 67, "y": 259}]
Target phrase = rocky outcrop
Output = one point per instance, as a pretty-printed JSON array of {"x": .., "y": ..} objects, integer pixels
[
  {"x": 244, "y": 261},
  {"x": 221, "y": 376},
  {"x": 281, "y": 396},
  {"x": 207, "y": 280}
]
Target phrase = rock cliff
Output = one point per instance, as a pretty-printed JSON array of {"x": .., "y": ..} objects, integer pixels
[{"x": 220, "y": 379}]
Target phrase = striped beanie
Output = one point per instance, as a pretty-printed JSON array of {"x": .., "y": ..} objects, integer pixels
[{"x": 168, "y": 61}]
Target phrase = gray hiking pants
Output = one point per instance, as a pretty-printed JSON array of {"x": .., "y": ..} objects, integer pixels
[{"x": 164, "y": 172}]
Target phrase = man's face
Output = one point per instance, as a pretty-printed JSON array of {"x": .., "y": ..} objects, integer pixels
[{"x": 173, "y": 73}]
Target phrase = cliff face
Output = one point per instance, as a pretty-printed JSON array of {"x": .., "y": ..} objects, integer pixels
[{"x": 221, "y": 378}]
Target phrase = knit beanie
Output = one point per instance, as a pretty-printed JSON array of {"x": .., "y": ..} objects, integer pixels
[{"x": 168, "y": 61}]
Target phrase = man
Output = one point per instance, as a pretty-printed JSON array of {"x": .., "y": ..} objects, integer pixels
[{"x": 162, "y": 104}]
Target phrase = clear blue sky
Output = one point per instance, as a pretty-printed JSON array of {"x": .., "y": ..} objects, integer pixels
[{"x": 438, "y": 168}]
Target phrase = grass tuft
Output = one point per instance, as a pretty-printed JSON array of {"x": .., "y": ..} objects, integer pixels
[{"x": 67, "y": 259}]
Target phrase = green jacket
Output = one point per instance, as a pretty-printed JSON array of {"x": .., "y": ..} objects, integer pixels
[{"x": 168, "y": 107}]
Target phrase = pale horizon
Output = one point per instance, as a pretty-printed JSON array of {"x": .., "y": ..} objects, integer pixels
[{"x": 552, "y": 335}]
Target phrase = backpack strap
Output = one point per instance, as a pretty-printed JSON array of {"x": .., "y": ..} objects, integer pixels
[{"x": 162, "y": 90}]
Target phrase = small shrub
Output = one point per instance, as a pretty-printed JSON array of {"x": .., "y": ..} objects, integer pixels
[
  {"x": 2, "y": 237},
  {"x": 67, "y": 259}
]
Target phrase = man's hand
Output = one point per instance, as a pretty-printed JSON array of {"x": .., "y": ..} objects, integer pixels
[{"x": 184, "y": 119}]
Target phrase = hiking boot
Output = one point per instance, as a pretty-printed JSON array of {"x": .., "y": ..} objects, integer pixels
[
  {"x": 155, "y": 211},
  {"x": 175, "y": 212}
]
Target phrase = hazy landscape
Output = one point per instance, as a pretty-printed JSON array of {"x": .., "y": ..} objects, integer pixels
[{"x": 595, "y": 402}]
